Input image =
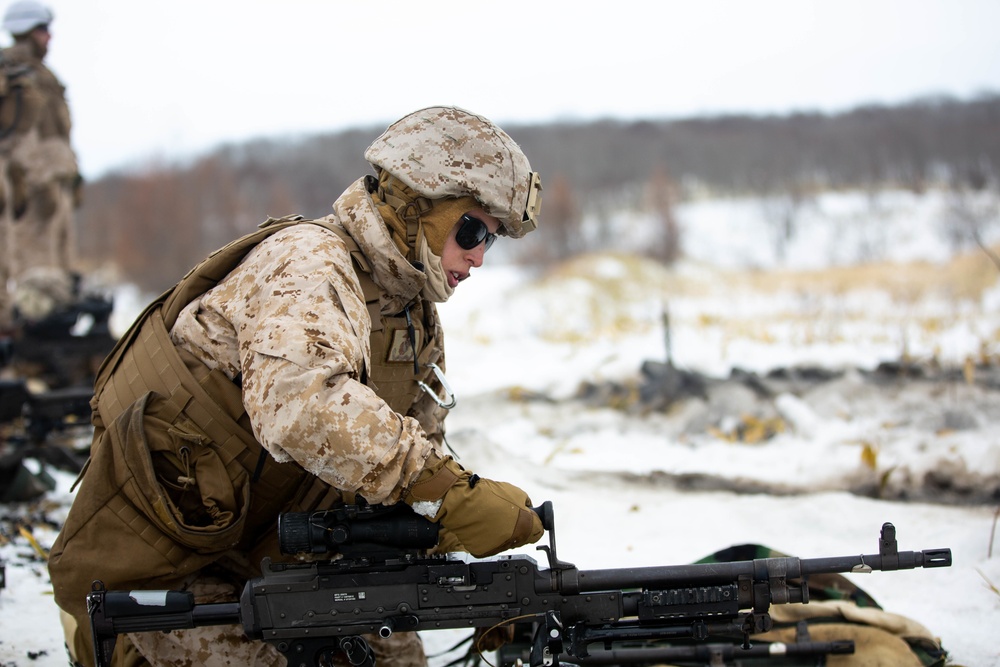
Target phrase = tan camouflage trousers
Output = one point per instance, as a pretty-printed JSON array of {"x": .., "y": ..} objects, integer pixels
[
  {"x": 6, "y": 256},
  {"x": 43, "y": 235},
  {"x": 36, "y": 211},
  {"x": 5, "y": 297},
  {"x": 227, "y": 646}
]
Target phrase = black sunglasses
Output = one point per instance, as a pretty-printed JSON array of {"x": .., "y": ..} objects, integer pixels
[{"x": 473, "y": 231}]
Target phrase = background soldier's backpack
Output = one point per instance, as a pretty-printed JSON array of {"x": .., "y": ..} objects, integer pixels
[{"x": 13, "y": 77}]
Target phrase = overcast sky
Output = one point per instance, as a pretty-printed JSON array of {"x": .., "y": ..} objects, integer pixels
[{"x": 172, "y": 78}]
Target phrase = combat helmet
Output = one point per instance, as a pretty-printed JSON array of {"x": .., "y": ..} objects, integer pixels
[
  {"x": 26, "y": 15},
  {"x": 450, "y": 152}
]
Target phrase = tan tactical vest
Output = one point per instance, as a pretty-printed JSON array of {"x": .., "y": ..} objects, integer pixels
[{"x": 176, "y": 481}]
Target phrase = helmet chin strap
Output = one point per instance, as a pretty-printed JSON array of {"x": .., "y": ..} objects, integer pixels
[
  {"x": 414, "y": 230},
  {"x": 409, "y": 212},
  {"x": 400, "y": 212}
]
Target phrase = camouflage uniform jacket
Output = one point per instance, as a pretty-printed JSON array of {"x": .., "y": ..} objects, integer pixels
[
  {"x": 44, "y": 106},
  {"x": 291, "y": 320}
]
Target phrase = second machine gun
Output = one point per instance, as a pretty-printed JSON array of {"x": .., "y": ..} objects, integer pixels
[{"x": 310, "y": 611}]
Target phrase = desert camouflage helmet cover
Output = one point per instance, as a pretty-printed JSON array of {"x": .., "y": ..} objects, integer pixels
[{"x": 450, "y": 152}]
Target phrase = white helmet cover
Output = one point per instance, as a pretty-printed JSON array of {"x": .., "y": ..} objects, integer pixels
[
  {"x": 449, "y": 152},
  {"x": 26, "y": 15}
]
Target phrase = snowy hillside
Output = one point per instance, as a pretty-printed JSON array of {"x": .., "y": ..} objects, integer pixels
[{"x": 811, "y": 465}]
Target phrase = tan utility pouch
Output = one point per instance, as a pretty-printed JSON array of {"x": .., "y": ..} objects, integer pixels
[
  {"x": 177, "y": 479},
  {"x": 157, "y": 504}
]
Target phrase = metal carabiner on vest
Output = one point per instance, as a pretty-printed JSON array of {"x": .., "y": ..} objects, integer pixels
[{"x": 449, "y": 401}]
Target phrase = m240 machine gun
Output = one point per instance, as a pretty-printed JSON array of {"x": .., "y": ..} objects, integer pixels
[
  {"x": 27, "y": 420},
  {"x": 65, "y": 347},
  {"x": 311, "y": 611}
]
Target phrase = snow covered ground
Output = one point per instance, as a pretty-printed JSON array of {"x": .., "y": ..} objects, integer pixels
[{"x": 632, "y": 488}]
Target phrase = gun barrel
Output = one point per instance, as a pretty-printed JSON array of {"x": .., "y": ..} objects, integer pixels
[
  {"x": 904, "y": 560},
  {"x": 590, "y": 581}
]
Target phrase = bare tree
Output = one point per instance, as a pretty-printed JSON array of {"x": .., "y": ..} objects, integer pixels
[
  {"x": 559, "y": 233},
  {"x": 661, "y": 195},
  {"x": 782, "y": 209},
  {"x": 968, "y": 218}
]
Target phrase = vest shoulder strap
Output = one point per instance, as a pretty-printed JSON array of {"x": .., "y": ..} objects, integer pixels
[{"x": 218, "y": 265}]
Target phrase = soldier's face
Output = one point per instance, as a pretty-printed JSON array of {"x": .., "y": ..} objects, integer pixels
[
  {"x": 457, "y": 261},
  {"x": 41, "y": 36}
]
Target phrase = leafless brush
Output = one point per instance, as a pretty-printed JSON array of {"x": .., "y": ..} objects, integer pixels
[
  {"x": 989, "y": 584},
  {"x": 993, "y": 532}
]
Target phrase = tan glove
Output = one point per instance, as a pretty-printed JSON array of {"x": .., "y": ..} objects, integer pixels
[{"x": 487, "y": 517}]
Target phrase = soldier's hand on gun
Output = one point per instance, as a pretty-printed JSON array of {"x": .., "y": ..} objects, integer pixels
[{"x": 486, "y": 516}]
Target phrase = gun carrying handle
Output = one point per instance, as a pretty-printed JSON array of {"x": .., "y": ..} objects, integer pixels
[{"x": 546, "y": 514}]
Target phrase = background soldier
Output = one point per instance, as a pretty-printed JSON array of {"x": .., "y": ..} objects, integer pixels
[{"x": 39, "y": 177}]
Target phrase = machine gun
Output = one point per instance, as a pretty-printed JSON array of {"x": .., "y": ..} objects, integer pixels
[
  {"x": 56, "y": 349},
  {"x": 311, "y": 611},
  {"x": 56, "y": 352},
  {"x": 37, "y": 415}
]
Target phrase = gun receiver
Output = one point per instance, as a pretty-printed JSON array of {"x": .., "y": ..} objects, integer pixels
[{"x": 309, "y": 611}]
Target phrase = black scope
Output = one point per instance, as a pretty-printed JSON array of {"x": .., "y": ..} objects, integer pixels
[{"x": 336, "y": 530}]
